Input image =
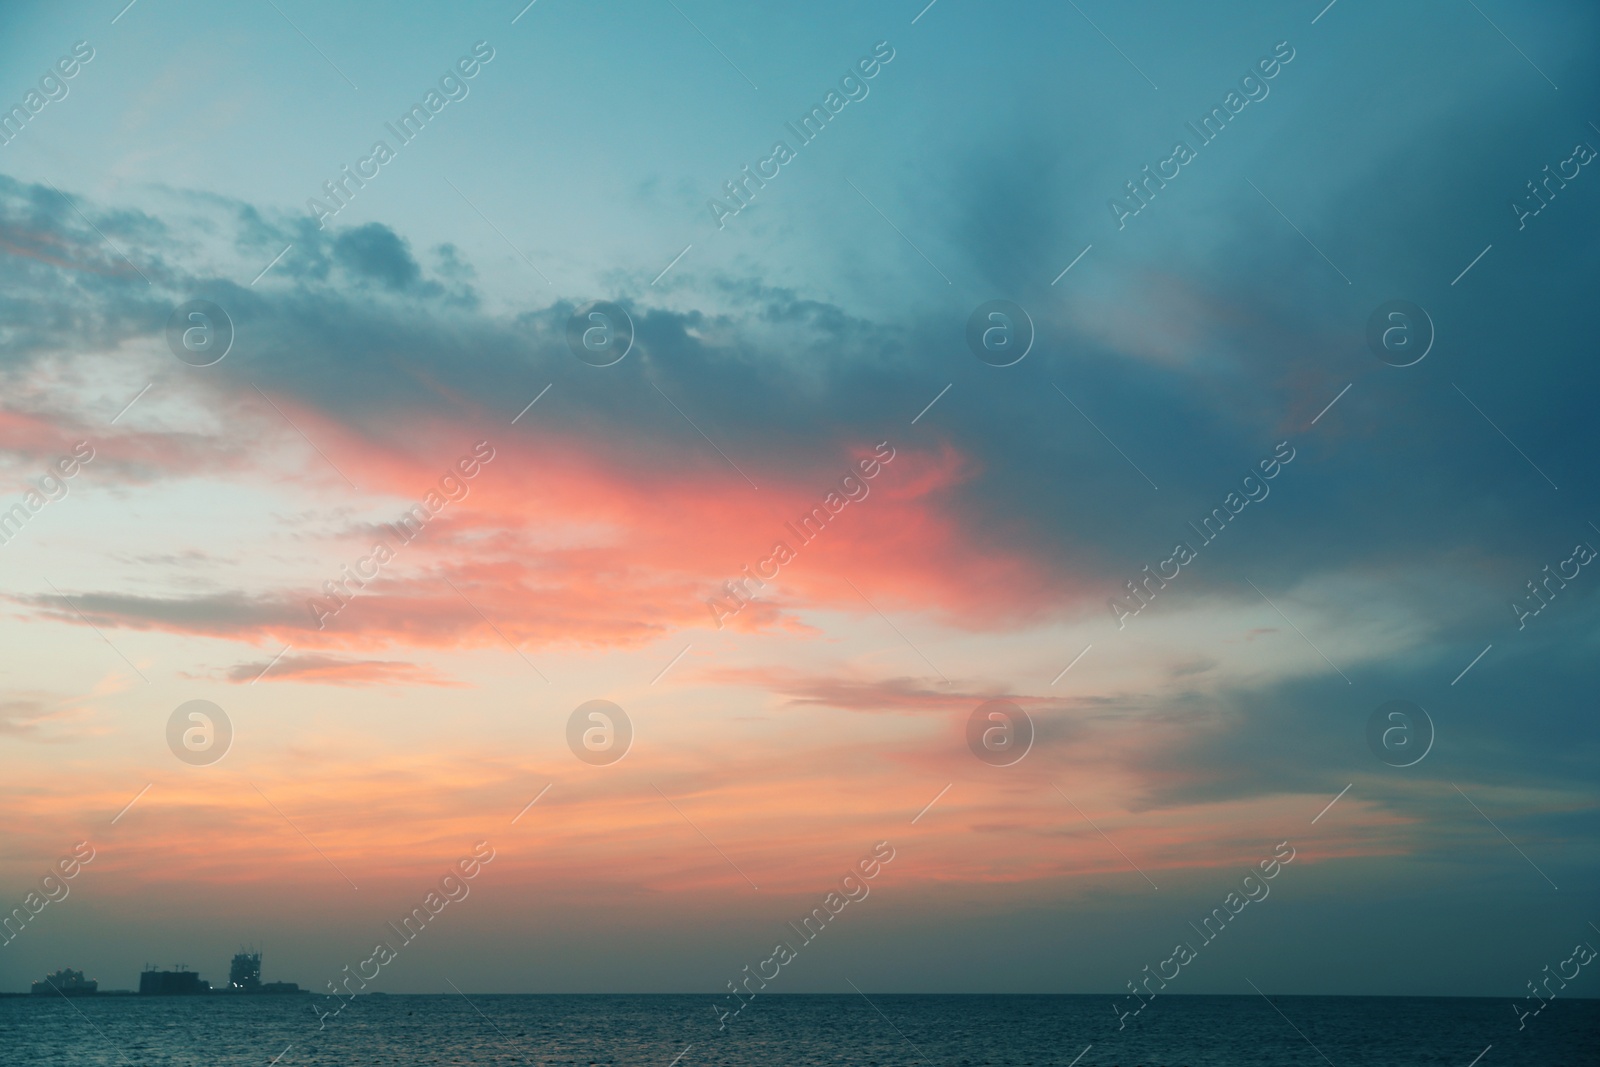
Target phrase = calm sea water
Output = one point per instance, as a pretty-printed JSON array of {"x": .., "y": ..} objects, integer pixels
[{"x": 790, "y": 1031}]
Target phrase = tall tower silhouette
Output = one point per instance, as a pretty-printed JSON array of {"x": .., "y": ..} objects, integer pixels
[{"x": 245, "y": 974}]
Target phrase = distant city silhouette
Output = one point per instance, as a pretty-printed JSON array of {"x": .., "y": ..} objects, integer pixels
[
  {"x": 67, "y": 982},
  {"x": 244, "y": 977}
]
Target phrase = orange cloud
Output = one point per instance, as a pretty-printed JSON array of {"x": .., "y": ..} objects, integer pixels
[
  {"x": 330, "y": 670},
  {"x": 905, "y": 696},
  {"x": 308, "y": 818},
  {"x": 557, "y": 545}
]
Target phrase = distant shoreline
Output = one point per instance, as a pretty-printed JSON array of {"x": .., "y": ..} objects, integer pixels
[
  {"x": 163, "y": 996},
  {"x": 227, "y": 995}
]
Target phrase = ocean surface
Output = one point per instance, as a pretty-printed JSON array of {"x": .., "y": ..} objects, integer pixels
[{"x": 779, "y": 1031}]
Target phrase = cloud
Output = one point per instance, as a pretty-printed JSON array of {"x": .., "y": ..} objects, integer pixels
[
  {"x": 612, "y": 511},
  {"x": 1028, "y": 497},
  {"x": 375, "y": 252},
  {"x": 217, "y": 614},
  {"x": 42, "y": 721},
  {"x": 330, "y": 670},
  {"x": 20, "y": 718},
  {"x": 559, "y": 547},
  {"x": 902, "y": 696}
]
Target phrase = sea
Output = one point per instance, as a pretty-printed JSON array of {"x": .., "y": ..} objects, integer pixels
[{"x": 868, "y": 1029}]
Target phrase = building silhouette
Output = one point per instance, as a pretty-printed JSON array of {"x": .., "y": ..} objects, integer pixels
[
  {"x": 245, "y": 974},
  {"x": 244, "y": 977},
  {"x": 67, "y": 982},
  {"x": 182, "y": 982}
]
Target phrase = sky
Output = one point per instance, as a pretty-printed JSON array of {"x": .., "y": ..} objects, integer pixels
[{"x": 1218, "y": 342}]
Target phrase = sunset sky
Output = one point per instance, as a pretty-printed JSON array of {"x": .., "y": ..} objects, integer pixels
[{"x": 775, "y": 351}]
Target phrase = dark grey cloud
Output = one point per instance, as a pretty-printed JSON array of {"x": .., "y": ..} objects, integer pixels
[
  {"x": 375, "y": 252},
  {"x": 221, "y": 614},
  {"x": 1403, "y": 475}
]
